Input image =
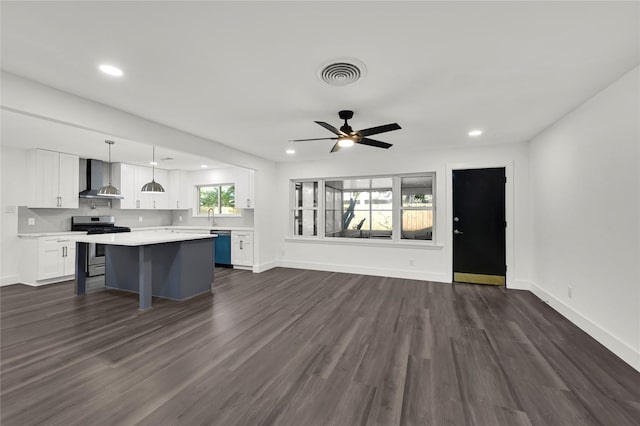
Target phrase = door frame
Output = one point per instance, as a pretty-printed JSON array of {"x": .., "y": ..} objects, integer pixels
[{"x": 509, "y": 214}]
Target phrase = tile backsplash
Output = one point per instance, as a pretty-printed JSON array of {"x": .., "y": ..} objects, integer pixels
[{"x": 59, "y": 220}]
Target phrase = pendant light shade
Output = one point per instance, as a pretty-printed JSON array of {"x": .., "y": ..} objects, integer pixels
[
  {"x": 109, "y": 190},
  {"x": 153, "y": 186}
]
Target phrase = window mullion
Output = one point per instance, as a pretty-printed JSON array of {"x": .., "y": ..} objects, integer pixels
[{"x": 396, "y": 211}]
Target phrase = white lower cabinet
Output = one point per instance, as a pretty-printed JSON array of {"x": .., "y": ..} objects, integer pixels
[
  {"x": 242, "y": 248},
  {"x": 55, "y": 260}
]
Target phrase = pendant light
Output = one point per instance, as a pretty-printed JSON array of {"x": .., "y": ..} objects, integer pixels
[
  {"x": 109, "y": 190},
  {"x": 153, "y": 186}
]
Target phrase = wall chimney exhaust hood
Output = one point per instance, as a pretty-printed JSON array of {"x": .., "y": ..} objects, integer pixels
[{"x": 95, "y": 182}]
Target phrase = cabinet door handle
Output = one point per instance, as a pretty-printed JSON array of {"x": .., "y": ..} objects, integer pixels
[
  {"x": 177, "y": 204},
  {"x": 241, "y": 244},
  {"x": 154, "y": 204},
  {"x": 64, "y": 253},
  {"x": 248, "y": 202}
]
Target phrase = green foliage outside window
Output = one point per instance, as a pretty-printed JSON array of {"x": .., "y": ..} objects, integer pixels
[{"x": 220, "y": 198}]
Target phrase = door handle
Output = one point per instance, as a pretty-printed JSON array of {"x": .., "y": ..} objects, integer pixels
[{"x": 456, "y": 232}]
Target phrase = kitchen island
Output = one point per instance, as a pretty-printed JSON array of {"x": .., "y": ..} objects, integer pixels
[{"x": 171, "y": 265}]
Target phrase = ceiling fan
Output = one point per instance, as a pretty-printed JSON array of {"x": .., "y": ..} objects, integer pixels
[{"x": 346, "y": 136}]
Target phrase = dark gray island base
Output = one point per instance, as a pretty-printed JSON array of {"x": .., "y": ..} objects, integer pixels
[{"x": 174, "y": 270}]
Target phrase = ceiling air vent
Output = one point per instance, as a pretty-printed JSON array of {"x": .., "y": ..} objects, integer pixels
[{"x": 342, "y": 72}]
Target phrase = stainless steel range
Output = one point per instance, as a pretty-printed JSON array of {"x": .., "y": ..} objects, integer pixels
[{"x": 96, "y": 225}]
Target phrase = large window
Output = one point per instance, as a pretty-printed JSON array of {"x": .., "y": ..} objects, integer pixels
[
  {"x": 220, "y": 198},
  {"x": 360, "y": 208},
  {"x": 398, "y": 207},
  {"x": 417, "y": 207}
]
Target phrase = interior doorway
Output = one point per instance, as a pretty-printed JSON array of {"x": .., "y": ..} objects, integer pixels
[{"x": 479, "y": 234}]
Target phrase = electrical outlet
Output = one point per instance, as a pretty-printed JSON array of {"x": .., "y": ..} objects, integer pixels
[
  {"x": 139, "y": 218},
  {"x": 10, "y": 209},
  {"x": 179, "y": 218},
  {"x": 570, "y": 292},
  {"x": 31, "y": 221}
]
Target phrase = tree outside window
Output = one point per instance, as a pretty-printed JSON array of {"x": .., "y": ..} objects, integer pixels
[{"x": 220, "y": 198}]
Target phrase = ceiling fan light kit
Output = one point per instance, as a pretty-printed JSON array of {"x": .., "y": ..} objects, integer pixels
[{"x": 346, "y": 136}]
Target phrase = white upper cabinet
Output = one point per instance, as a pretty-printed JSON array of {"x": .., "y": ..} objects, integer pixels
[
  {"x": 54, "y": 179},
  {"x": 161, "y": 200},
  {"x": 244, "y": 188},
  {"x": 124, "y": 178},
  {"x": 178, "y": 191},
  {"x": 130, "y": 179}
]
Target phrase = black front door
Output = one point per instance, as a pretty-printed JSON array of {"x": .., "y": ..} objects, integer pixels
[{"x": 479, "y": 252}]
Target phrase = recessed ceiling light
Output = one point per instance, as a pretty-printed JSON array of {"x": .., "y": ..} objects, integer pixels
[
  {"x": 291, "y": 151},
  {"x": 474, "y": 133},
  {"x": 204, "y": 166},
  {"x": 111, "y": 70},
  {"x": 153, "y": 163},
  {"x": 345, "y": 143}
]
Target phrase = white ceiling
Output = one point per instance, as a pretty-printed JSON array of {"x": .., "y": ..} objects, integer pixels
[
  {"x": 27, "y": 132},
  {"x": 245, "y": 73}
]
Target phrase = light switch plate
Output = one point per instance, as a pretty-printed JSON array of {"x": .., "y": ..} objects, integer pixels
[{"x": 139, "y": 218}]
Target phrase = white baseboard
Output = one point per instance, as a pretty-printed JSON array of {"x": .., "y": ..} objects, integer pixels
[
  {"x": 9, "y": 279},
  {"x": 393, "y": 273},
  {"x": 630, "y": 355},
  {"x": 265, "y": 266},
  {"x": 519, "y": 285}
]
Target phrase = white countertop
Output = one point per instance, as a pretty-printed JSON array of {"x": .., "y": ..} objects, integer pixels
[
  {"x": 204, "y": 229},
  {"x": 51, "y": 234},
  {"x": 140, "y": 238},
  {"x": 193, "y": 228}
]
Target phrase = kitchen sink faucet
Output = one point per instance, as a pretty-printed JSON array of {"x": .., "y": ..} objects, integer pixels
[{"x": 210, "y": 216}]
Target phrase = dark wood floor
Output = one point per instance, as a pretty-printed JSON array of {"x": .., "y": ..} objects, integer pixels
[{"x": 293, "y": 347}]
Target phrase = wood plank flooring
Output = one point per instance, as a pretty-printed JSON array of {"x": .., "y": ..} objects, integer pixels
[{"x": 297, "y": 347}]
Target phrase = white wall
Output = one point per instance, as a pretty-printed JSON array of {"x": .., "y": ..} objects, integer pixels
[
  {"x": 434, "y": 263},
  {"x": 585, "y": 187},
  {"x": 14, "y": 185}
]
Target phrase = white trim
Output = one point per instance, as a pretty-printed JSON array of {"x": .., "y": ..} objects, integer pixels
[
  {"x": 364, "y": 270},
  {"x": 519, "y": 285},
  {"x": 265, "y": 266},
  {"x": 627, "y": 353},
  {"x": 367, "y": 242},
  {"x": 55, "y": 280},
  {"x": 509, "y": 203},
  {"x": 9, "y": 279}
]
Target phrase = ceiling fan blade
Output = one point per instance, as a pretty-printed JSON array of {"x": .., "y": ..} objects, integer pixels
[
  {"x": 373, "y": 142},
  {"x": 335, "y": 148},
  {"x": 330, "y": 128},
  {"x": 379, "y": 129},
  {"x": 312, "y": 139}
]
